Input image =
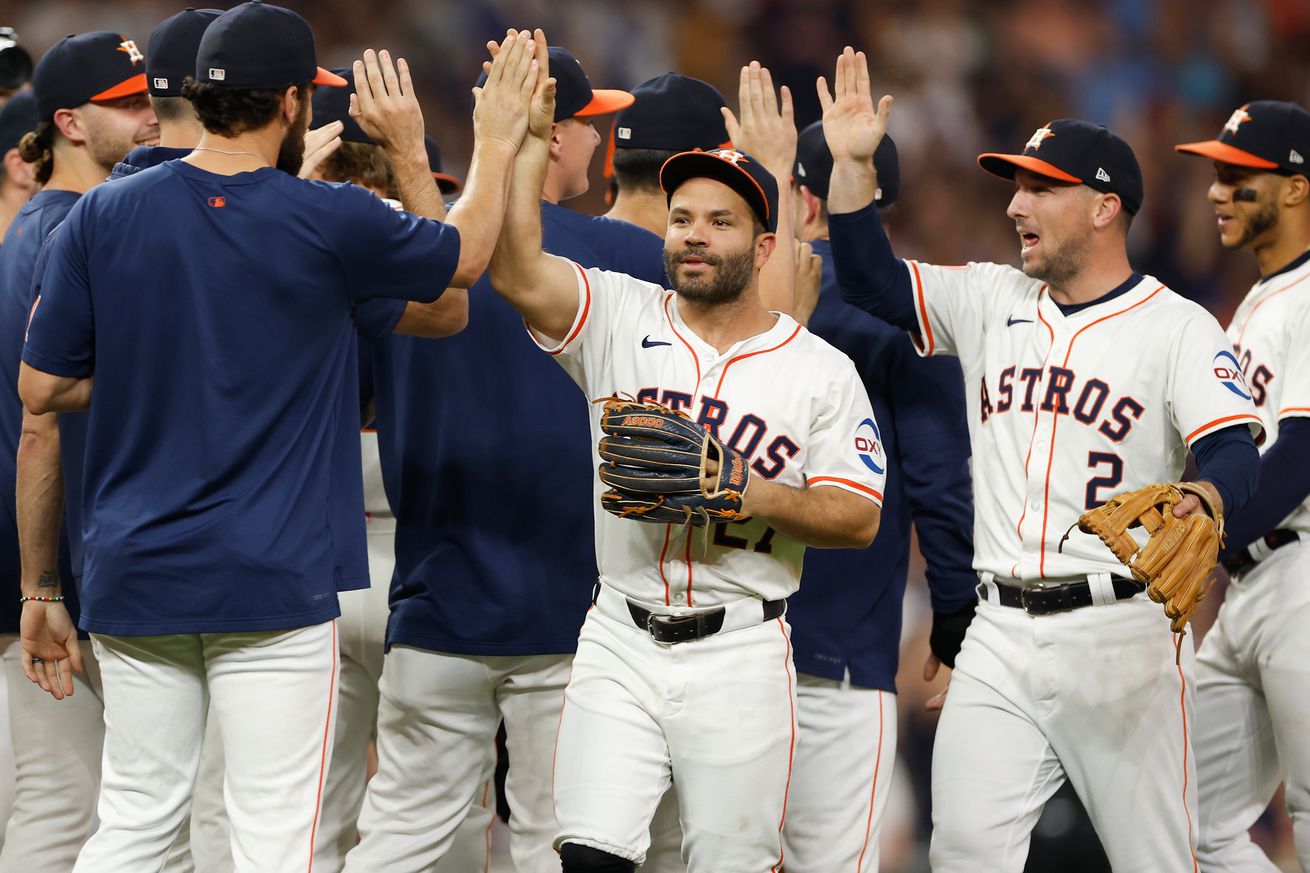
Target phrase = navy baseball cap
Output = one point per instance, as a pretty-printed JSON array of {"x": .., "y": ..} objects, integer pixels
[
  {"x": 87, "y": 67},
  {"x": 814, "y": 165},
  {"x": 574, "y": 96},
  {"x": 171, "y": 52},
  {"x": 1076, "y": 151},
  {"x": 259, "y": 46},
  {"x": 1265, "y": 135},
  {"x": 448, "y": 184},
  {"x": 673, "y": 113},
  {"x": 333, "y": 104},
  {"x": 737, "y": 170},
  {"x": 17, "y": 118}
]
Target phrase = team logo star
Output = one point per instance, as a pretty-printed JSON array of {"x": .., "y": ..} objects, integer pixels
[
  {"x": 1236, "y": 120},
  {"x": 732, "y": 156},
  {"x": 133, "y": 53},
  {"x": 1036, "y": 142}
]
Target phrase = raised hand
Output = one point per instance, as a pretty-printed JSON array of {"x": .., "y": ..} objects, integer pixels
[
  {"x": 503, "y": 101},
  {"x": 320, "y": 143},
  {"x": 384, "y": 104},
  {"x": 809, "y": 279},
  {"x": 851, "y": 124},
  {"x": 767, "y": 127}
]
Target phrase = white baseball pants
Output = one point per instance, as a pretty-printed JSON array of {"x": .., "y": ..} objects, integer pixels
[
  {"x": 274, "y": 695},
  {"x": 842, "y": 778},
  {"x": 1253, "y": 713},
  {"x": 437, "y": 721},
  {"x": 717, "y": 715},
  {"x": 1092, "y": 696},
  {"x": 7, "y": 773}
]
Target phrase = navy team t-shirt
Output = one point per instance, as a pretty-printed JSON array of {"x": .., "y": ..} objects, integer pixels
[
  {"x": 18, "y": 258},
  {"x": 215, "y": 313}
]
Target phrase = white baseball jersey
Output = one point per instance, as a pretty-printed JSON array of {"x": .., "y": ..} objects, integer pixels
[
  {"x": 1067, "y": 411},
  {"x": 789, "y": 402},
  {"x": 1269, "y": 333}
]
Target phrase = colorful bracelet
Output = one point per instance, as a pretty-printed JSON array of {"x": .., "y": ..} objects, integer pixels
[{"x": 41, "y": 598}]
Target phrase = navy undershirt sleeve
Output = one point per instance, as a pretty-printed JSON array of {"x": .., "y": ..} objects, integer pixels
[
  {"x": 1284, "y": 482},
  {"x": 1229, "y": 460},
  {"x": 869, "y": 274}
]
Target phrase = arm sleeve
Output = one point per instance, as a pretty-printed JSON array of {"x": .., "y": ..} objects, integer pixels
[
  {"x": 376, "y": 318},
  {"x": 1284, "y": 483},
  {"x": 1228, "y": 460},
  {"x": 870, "y": 275},
  {"x": 845, "y": 448},
  {"x": 1294, "y": 398},
  {"x": 385, "y": 253},
  {"x": 933, "y": 453},
  {"x": 1206, "y": 390},
  {"x": 61, "y": 326}
]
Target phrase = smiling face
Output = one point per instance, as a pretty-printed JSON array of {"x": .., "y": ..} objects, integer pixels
[
  {"x": 1054, "y": 221},
  {"x": 714, "y": 243},
  {"x": 1241, "y": 221},
  {"x": 113, "y": 128}
]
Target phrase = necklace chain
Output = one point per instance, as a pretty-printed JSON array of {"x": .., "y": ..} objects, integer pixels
[{"x": 229, "y": 154}]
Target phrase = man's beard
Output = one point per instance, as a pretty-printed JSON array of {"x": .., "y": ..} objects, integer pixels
[
  {"x": 1063, "y": 264},
  {"x": 1265, "y": 219},
  {"x": 732, "y": 274},
  {"x": 291, "y": 154}
]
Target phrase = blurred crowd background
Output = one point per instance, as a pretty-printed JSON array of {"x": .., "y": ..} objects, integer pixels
[{"x": 968, "y": 76}]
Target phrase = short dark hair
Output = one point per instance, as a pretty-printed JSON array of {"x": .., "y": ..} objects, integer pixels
[
  {"x": 234, "y": 111},
  {"x": 639, "y": 169},
  {"x": 364, "y": 164},
  {"x": 37, "y": 147},
  {"x": 170, "y": 109}
]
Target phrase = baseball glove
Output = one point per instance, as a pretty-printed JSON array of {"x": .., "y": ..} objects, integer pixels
[
  {"x": 1176, "y": 563},
  {"x": 664, "y": 468}
]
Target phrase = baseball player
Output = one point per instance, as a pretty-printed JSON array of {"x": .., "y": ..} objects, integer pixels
[
  {"x": 683, "y": 669},
  {"x": 1251, "y": 668},
  {"x": 91, "y": 110},
  {"x": 1083, "y": 378},
  {"x": 17, "y": 182},
  {"x": 846, "y": 619},
  {"x": 213, "y": 547},
  {"x": 488, "y": 593}
]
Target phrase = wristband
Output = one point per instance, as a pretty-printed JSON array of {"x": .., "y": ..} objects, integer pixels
[{"x": 41, "y": 598}]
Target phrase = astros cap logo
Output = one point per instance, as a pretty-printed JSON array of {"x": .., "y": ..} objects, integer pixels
[
  {"x": 1036, "y": 142},
  {"x": 133, "y": 53},
  {"x": 732, "y": 156},
  {"x": 1236, "y": 120}
]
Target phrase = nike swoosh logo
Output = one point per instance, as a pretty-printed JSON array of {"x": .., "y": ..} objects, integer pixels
[
  {"x": 648, "y": 343},
  {"x": 1012, "y": 321}
]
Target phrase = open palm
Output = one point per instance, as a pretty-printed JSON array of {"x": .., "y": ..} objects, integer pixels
[{"x": 851, "y": 124}]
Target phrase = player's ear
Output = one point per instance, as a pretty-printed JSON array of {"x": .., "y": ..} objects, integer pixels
[
  {"x": 556, "y": 147},
  {"x": 1296, "y": 189},
  {"x": 290, "y": 108},
  {"x": 70, "y": 125},
  {"x": 1106, "y": 210},
  {"x": 765, "y": 243}
]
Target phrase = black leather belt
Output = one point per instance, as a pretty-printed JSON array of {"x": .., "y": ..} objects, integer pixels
[
  {"x": 693, "y": 626},
  {"x": 1242, "y": 561},
  {"x": 1043, "y": 599}
]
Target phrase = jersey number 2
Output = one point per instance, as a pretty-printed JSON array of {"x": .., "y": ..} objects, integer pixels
[{"x": 1111, "y": 479}]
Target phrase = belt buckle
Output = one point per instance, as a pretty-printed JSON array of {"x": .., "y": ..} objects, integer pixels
[
  {"x": 672, "y": 624},
  {"x": 1046, "y": 609}
]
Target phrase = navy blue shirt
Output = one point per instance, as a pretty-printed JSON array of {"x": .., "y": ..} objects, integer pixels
[
  {"x": 495, "y": 544},
  {"x": 847, "y": 614},
  {"x": 18, "y": 258},
  {"x": 215, "y": 313}
]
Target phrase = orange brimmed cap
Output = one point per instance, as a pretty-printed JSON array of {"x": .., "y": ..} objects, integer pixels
[
  {"x": 574, "y": 96},
  {"x": 1268, "y": 135},
  {"x": 258, "y": 46},
  {"x": 87, "y": 67}
]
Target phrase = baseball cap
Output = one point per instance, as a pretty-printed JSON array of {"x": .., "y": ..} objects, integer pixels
[
  {"x": 447, "y": 184},
  {"x": 333, "y": 104},
  {"x": 672, "y": 113},
  {"x": 17, "y": 118},
  {"x": 737, "y": 170},
  {"x": 1071, "y": 150},
  {"x": 814, "y": 165},
  {"x": 171, "y": 52},
  {"x": 85, "y": 67},
  {"x": 259, "y": 46},
  {"x": 1265, "y": 134},
  {"x": 574, "y": 96}
]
